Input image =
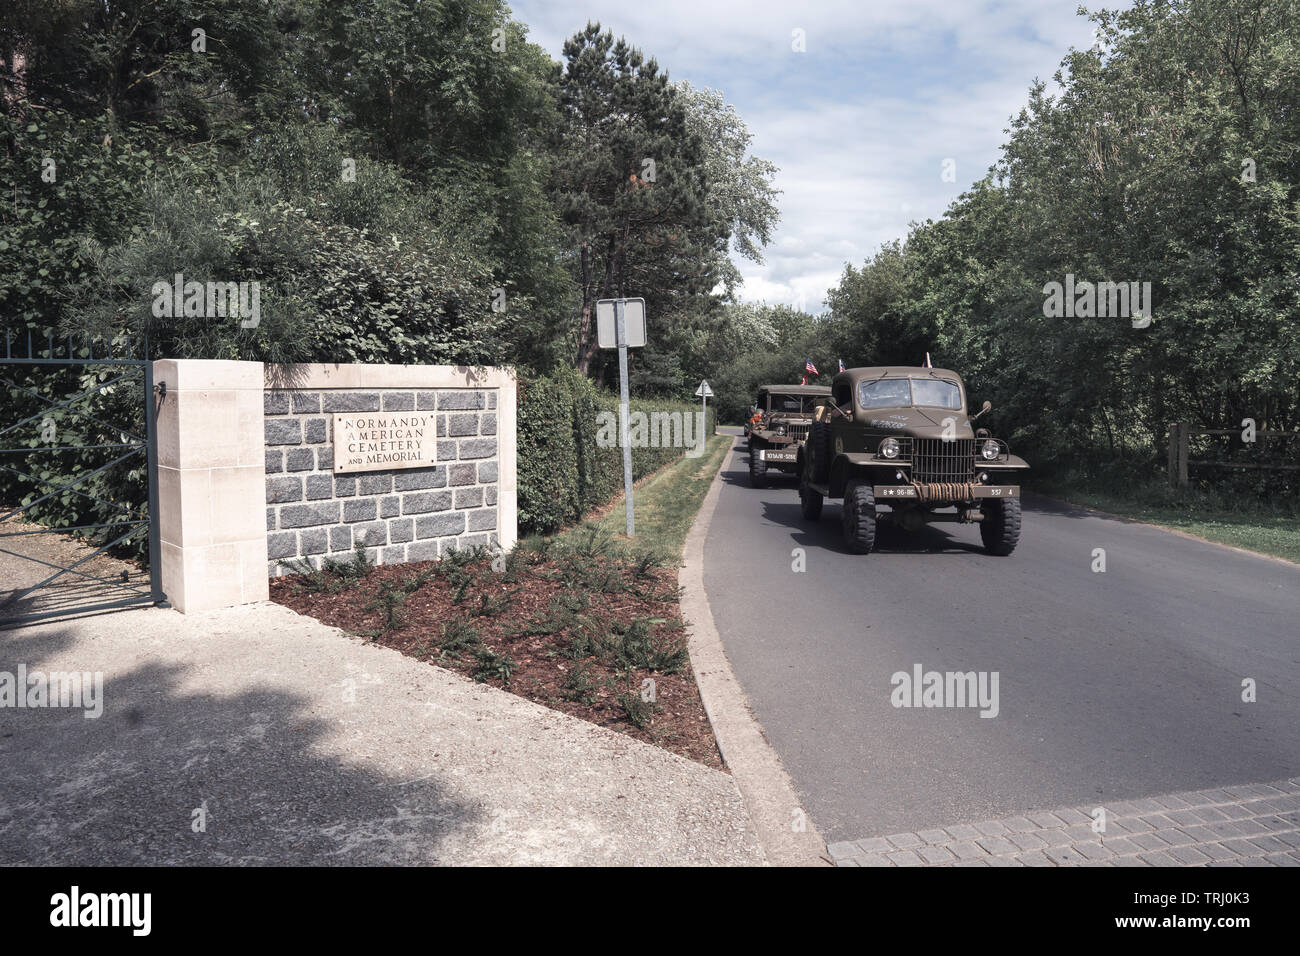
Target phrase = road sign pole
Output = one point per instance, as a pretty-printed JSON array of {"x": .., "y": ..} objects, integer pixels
[{"x": 624, "y": 412}]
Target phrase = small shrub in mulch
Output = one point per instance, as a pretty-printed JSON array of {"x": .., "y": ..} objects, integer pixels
[{"x": 582, "y": 627}]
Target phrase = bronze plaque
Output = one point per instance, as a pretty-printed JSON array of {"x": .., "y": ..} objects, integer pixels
[{"x": 374, "y": 441}]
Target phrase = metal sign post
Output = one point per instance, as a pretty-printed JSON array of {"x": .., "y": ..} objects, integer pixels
[
  {"x": 623, "y": 338},
  {"x": 624, "y": 413}
]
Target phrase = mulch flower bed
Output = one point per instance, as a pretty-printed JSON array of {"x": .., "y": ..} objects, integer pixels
[{"x": 585, "y": 629}]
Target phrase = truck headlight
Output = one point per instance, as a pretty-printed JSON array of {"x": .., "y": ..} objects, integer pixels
[
  {"x": 889, "y": 448},
  {"x": 990, "y": 449}
]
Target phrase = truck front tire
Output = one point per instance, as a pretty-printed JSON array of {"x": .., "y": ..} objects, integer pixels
[
  {"x": 810, "y": 502},
  {"x": 859, "y": 517},
  {"x": 819, "y": 445},
  {"x": 757, "y": 469},
  {"x": 1000, "y": 527}
]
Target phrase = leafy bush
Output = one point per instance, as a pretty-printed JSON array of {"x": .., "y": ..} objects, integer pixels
[
  {"x": 635, "y": 646},
  {"x": 580, "y": 685},
  {"x": 333, "y": 575},
  {"x": 639, "y": 711},
  {"x": 492, "y": 666},
  {"x": 458, "y": 635}
]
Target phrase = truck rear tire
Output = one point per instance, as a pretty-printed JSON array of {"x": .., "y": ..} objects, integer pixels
[
  {"x": 859, "y": 517},
  {"x": 1000, "y": 527},
  {"x": 810, "y": 502},
  {"x": 757, "y": 469}
]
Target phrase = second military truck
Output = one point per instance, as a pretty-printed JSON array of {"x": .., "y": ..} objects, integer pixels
[{"x": 779, "y": 423}]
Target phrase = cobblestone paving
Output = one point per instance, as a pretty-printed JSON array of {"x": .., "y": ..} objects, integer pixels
[{"x": 1255, "y": 825}]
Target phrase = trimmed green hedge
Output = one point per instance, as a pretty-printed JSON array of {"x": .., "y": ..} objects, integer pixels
[{"x": 564, "y": 472}]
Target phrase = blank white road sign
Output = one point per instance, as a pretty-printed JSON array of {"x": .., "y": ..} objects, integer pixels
[{"x": 633, "y": 320}]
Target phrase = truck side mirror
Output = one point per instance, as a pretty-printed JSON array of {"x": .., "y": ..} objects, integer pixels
[{"x": 986, "y": 407}]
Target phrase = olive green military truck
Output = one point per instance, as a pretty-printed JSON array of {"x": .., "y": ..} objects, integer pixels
[
  {"x": 901, "y": 438},
  {"x": 780, "y": 420}
]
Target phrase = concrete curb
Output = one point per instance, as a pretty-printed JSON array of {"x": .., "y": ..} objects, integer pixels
[{"x": 769, "y": 795}]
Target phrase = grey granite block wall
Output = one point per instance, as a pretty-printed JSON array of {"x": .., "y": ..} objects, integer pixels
[{"x": 399, "y": 515}]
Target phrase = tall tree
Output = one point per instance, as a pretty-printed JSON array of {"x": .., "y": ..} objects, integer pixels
[
  {"x": 740, "y": 191},
  {"x": 629, "y": 183},
  {"x": 1168, "y": 157}
]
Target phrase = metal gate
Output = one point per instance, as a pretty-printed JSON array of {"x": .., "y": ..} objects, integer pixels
[{"x": 45, "y": 396}]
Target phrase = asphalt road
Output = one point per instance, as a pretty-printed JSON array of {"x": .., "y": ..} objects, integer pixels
[{"x": 1111, "y": 686}]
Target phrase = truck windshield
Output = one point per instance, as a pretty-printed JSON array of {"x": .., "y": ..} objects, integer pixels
[
  {"x": 935, "y": 393},
  {"x": 803, "y": 404},
  {"x": 903, "y": 392}
]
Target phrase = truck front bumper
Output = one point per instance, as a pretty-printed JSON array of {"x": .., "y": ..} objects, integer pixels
[{"x": 950, "y": 494}]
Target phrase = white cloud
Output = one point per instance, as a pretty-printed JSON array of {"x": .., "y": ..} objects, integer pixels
[{"x": 859, "y": 124}]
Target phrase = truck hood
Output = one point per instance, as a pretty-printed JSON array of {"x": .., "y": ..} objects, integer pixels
[{"x": 919, "y": 423}]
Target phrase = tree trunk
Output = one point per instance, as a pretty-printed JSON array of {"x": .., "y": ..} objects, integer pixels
[
  {"x": 606, "y": 292},
  {"x": 585, "y": 350}
]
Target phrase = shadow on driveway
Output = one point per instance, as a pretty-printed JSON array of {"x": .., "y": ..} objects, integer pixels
[{"x": 134, "y": 785}]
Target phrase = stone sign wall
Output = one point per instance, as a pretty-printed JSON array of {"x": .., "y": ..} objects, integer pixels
[
  {"x": 331, "y": 483},
  {"x": 247, "y": 472}
]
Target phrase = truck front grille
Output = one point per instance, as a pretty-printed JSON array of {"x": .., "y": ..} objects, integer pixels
[
  {"x": 800, "y": 432},
  {"x": 934, "y": 459}
]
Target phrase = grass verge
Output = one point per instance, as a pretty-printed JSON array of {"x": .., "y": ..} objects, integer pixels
[
  {"x": 665, "y": 504},
  {"x": 1249, "y": 525}
]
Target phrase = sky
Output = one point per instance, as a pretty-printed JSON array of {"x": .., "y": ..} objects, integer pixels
[{"x": 861, "y": 121}]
